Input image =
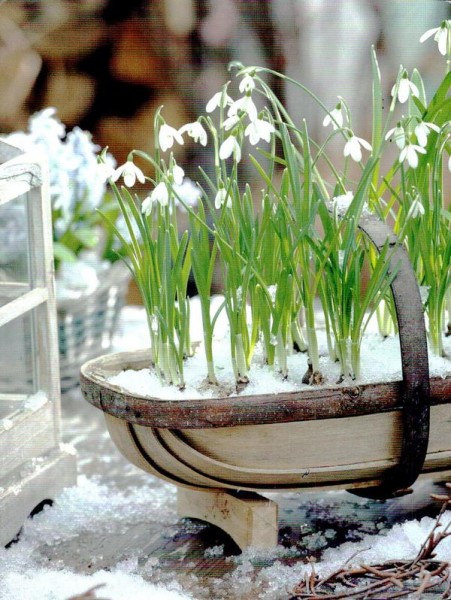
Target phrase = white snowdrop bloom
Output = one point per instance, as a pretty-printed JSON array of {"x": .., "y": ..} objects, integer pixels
[
  {"x": 105, "y": 171},
  {"x": 449, "y": 163},
  {"x": 178, "y": 174},
  {"x": 259, "y": 129},
  {"x": 228, "y": 147},
  {"x": 221, "y": 197},
  {"x": 335, "y": 118},
  {"x": 405, "y": 88},
  {"x": 353, "y": 147},
  {"x": 219, "y": 100},
  {"x": 130, "y": 173},
  {"x": 247, "y": 84},
  {"x": 244, "y": 104},
  {"x": 196, "y": 131},
  {"x": 422, "y": 131},
  {"x": 442, "y": 35},
  {"x": 230, "y": 122},
  {"x": 166, "y": 137},
  {"x": 159, "y": 194},
  {"x": 398, "y": 133},
  {"x": 410, "y": 154},
  {"x": 416, "y": 209}
]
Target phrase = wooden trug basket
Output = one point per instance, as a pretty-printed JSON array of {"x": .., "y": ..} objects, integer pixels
[{"x": 372, "y": 439}]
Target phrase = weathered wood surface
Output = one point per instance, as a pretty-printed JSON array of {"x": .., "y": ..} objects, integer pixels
[
  {"x": 350, "y": 453},
  {"x": 326, "y": 402},
  {"x": 249, "y": 519}
]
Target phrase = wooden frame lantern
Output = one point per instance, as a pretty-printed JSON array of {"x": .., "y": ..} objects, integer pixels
[{"x": 34, "y": 466}]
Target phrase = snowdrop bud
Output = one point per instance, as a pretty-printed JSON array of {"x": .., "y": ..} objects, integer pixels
[{"x": 416, "y": 209}]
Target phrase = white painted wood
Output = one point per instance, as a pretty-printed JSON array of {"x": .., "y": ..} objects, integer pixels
[
  {"x": 28, "y": 486},
  {"x": 251, "y": 521},
  {"x": 33, "y": 465},
  {"x": 25, "y": 435},
  {"x": 23, "y": 304}
]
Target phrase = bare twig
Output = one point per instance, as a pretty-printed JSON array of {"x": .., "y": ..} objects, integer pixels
[{"x": 390, "y": 579}]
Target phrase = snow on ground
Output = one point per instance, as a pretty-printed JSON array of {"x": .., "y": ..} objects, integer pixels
[{"x": 78, "y": 542}]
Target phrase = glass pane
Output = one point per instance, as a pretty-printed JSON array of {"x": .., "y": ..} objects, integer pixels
[
  {"x": 18, "y": 356},
  {"x": 15, "y": 272}
]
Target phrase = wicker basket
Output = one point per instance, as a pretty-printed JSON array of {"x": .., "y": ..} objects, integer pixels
[{"x": 86, "y": 325}]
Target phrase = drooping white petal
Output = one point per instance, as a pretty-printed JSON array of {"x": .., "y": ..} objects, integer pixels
[
  {"x": 247, "y": 84},
  {"x": 353, "y": 147},
  {"x": 160, "y": 194},
  {"x": 166, "y": 137},
  {"x": 429, "y": 33},
  {"x": 129, "y": 172},
  {"x": 403, "y": 90},
  {"x": 178, "y": 174},
  {"x": 335, "y": 118},
  {"x": 196, "y": 131},
  {"x": 416, "y": 209},
  {"x": 399, "y": 135},
  {"x": 364, "y": 143},
  {"x": 441, "y": 38},
  {"x": 220, "y": 99},
  {"x": 410, "y": 153},
  {"x": 228, "y": 147},
  {"x": 221, "y": 197},
  {"x": 244, "y": 104},
  {"x": 146, "y": 206},
  {"x": 230, "y": 122},
  {"x": 259, "y": 129},
  {"x": 449, "y": 163}
]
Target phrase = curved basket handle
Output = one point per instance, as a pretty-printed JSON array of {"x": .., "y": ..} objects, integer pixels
[{"x": 415, "y": 366}]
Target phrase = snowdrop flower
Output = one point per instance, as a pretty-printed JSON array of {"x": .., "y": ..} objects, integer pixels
[
  {"x": 247, "y": 84},
  {"x": 416, "y": 209},
  {"x": 196, "y": 131},
  {"x": 159, "y": 194},
  {"x": 410, "y": 153},
  {"x": 230, "y": 122},
  {"x": 404, "y": 88},
  {"x": 178, "y": 174},
  {"x": 130, "y": 172},
  {"x": 228, "y": 147},
  {"x": 219, "y": 100},
  {"x": 398, "y": 133},
  {"x": 353, "y": 147},
  {"x": 422, "y": 131},
  {"x": 222, "y": 197},
  {"x": 449, "y": 163},
  {"x": 442, "y": 35},
  {"x": 335, "y": 118},
  {"x": 259, "y": 129},
  {"x": 244, "y": 104},
  {"x": 166, "y": 137}
]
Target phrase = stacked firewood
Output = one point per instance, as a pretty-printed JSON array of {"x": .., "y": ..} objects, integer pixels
[{"x": 106, "y": 65}]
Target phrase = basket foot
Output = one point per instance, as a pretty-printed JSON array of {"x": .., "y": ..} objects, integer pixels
[{"x": 248, "y": 518}]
